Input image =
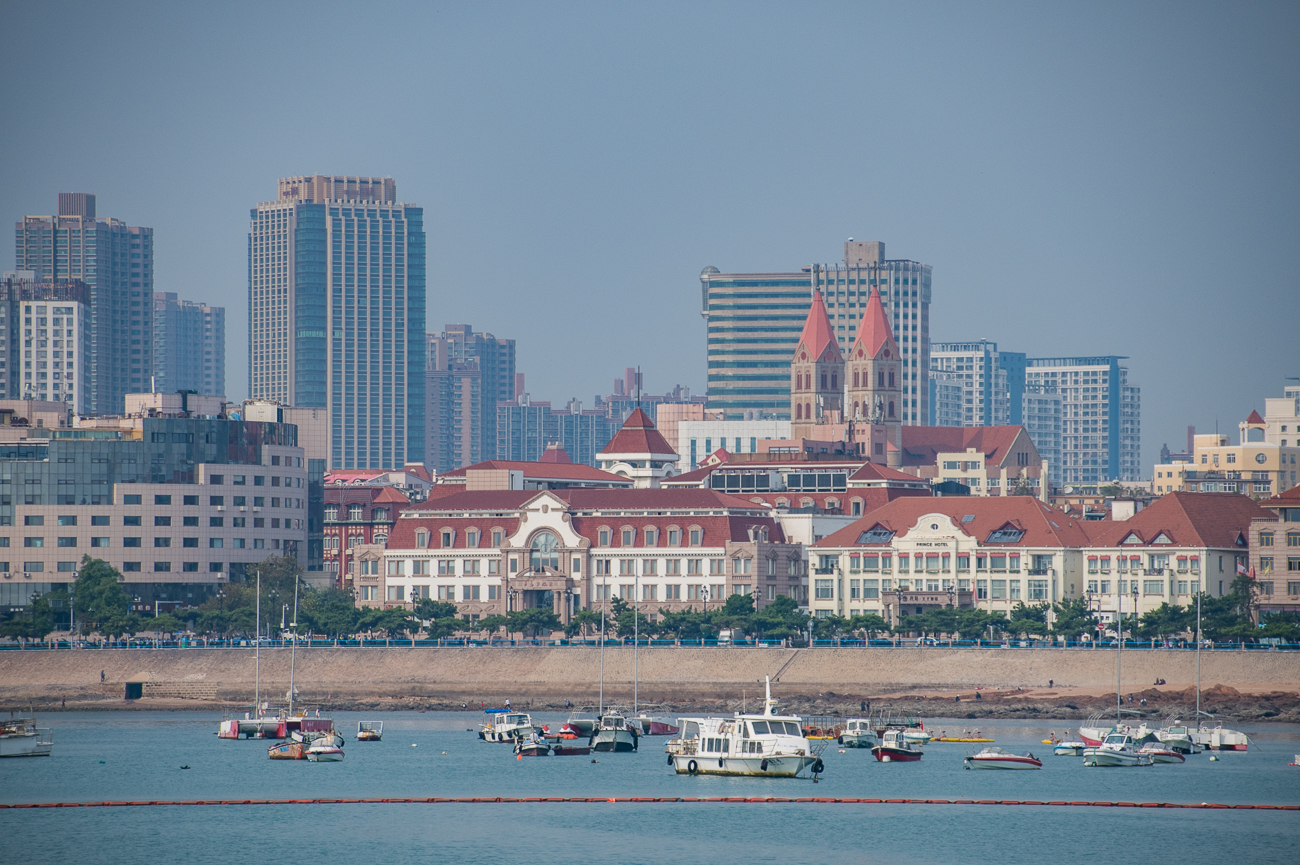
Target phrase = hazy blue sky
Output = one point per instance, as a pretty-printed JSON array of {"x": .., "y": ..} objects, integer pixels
[{"x": 1089, "y": 179}]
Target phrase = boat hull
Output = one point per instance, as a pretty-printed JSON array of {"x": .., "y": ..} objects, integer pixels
[
  {"x": 1114, "y": 759},
  {"x": 1093, "y": 736},
  {"x": 1003, "y": 763},
  {"x": 368, "y": 736},
  {"x": 570, "y": 749},
  {"x": 613, "y": 740},
  {"x": 325, "y": 755},
  {"x": 895, "y": 755},
  {"x": 859, "y": 740},
  {"x": 1068, "y": 749},
  {"x": 39, "y": 745},
  {"x": 754, "y": 767},
  {"x": 1164, "y": 755}
]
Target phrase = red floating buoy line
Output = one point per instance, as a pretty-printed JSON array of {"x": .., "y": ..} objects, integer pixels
[{"x": 643, "y": 800}]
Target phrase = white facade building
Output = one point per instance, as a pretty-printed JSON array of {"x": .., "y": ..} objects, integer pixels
[
  {"x": 1101, "y": 417},
  {"x": 699, "y": 438}
]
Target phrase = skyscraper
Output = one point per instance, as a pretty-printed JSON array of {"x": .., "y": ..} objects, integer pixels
[
  {"x": 115, "y": 261},
  {"x": 754, "y": 321},
  {"x": 468, "y": 375},
  {"x": 1101, "y": 416},
  {"x": 54, "y": 316},
  {"x": 976, "y": 368},
  {"x": 336, "y": 275},
  {"x": 189, "y": 345}
]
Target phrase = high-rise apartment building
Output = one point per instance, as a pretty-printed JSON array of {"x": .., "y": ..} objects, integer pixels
[
  {"x": 1041, "y": 409},
  {"x": 115, "y": 261},
  {"x": 754, "y": 321},
  {"x": 45, "y": 340},
  {"x": 336, "y": 276},
  {"x": 1101, "y": 416},
  {"x": 522, "y": 428},
  {"x": 991, "y": 382},
  {"x": 189, "y": 345},
  {"x": 468, "y": 373}
]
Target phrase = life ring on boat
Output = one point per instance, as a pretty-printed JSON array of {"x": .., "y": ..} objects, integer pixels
[
  {"x": 719, "y": 762},
  {"x": 763, "y": 766},
  {"x": 818, "y": 767},
  {"x": 692, "y": 767},
  {"x": 670, "y": 759}
]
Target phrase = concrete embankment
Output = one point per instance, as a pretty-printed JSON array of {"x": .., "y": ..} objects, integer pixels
[{"x": 812, "y": 680}]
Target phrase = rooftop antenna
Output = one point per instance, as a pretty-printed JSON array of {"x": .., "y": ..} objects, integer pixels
[{"x": 638, "y": 386}]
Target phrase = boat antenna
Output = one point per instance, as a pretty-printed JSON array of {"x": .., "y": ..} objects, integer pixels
[
  {"x": 257, "y": 648},
  {"x": 768, "y": 703},
  {"x": 293, "y": 652},
  {"x": 636, "y": 606},
  {"x": 1198, "y": 658},
  {"x": 1119, "y": 647}
]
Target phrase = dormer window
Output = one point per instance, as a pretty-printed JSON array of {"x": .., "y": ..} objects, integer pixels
[
  {"x": 628, "y": 537},
  {"x": 650, "y": 537},
  {"x": 674, "y": 538},
  {"x": 447, "y": 536},
  {"x": 1005, "y": 535},
  {"x": 876, "y": 535},
  {"x": 421, "y": 539},
  {"x": 471, "y": 538},
  {"x": 603, "y": 537}
]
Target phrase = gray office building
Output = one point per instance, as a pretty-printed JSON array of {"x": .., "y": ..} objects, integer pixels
[
  {"x": 115, "y": 261},
  {"x": 468, "y": 374},
  {"x": 189, "y": 345},
  {"x": 753, "y": 322},
  {"x": 336, "y": 276},
  {"x": 45, "y": 340}
]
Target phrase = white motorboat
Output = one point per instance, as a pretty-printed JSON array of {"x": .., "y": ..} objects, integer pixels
[
  {"x": 858, "y": 734},
  {"x": 1001, "y": 758},
  {"x": 766, "y": 745},
  {"x": 370, "y": 731},
  {"x": 20, "y": 737},
  {"x": 1161, "y": 753},
  {"x": 614, "y": 733},
  {"x": 507, "y": 727},
  {"x": 1220, "y": 739},
  {"x": 583, "y": 721},
  {"x": 1095, "y": 730},
  {"x": 1118, "y": 749},
  {"x": 1177, "y": 737},
  {"x": 917, "y": 735},
  {"x": 1068, "y": 749},
  {"x": 533, "y": 746},
  {"x": 326, "y": 749}
]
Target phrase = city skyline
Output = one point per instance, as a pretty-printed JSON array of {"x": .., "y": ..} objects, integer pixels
[{"x": 1055, "y": 231}]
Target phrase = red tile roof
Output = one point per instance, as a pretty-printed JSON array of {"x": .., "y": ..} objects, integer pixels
[
  {"x": 1254, "y": 418},
  {"x": 1043, "y": 525},
  {"x": 874, "y": 333},
  {"x": 391, "y": 494},
  {"x": 553, "y": 470},
  {"x": 922, "y": 444},
  {"x": 732, "y": 524},
  {"x": 818, "y": 337},
  {"x": 877, "y": 472},
  {"x": 555, "y": 454},
  {"x": 1286, "y": 497},
  {"x": 637, "y": 436},
  {"x": 1187, "y": 519}
]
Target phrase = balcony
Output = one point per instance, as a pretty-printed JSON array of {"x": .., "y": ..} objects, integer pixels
[
  {"x": 1042, "y": 572},
  {"x": 823, "y": 571}
]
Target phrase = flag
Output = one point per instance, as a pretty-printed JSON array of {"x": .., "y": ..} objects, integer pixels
[{"x": 1241, "y": 569}]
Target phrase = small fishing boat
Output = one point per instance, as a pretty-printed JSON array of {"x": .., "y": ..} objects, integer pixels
[
  {"x": 1095, "y": 731},
  {"x": 569, "y": 747},
  {"x": 291, "y": 750},
  {"x": 325, "y": 750},
  {"x": 506, "y": 727},
  {"x": 917, "y": 735},
  {"x": 1118, "y": 749},
  {"x": 1000, "y": 758},
  {"x": 1068, "y": 749},
  {"x": 614, "y": 733},
  {"x": 584, "y": 722},
  {"x": 20, "y": 737},
  {"x": 857, "y": 733},
  {"x": 894, "y": 748},
  {"x": 1160, "y": 753},
  {"x": 533, "y": 746},
  {"x": 370, "y": 731},
  {"x": 1177, "y": 737},
  {"x": 766, "y": 745}
]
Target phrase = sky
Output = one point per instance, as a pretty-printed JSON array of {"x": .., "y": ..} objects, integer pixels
[{"x": 1087, "y": 178}]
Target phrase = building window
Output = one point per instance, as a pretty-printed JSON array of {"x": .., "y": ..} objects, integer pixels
[
  {"x": 824, "y": 590},
  {"x": 545, "y": 552}
]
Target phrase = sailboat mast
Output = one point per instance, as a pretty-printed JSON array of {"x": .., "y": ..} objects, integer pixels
[
  {"x": 257, "y": 646},
  {"x": 1198, "y": 659},
  {"x": 636, "y": 622},
  {"x": 293, "y": 652},
  {"x": 603, "y": 601},
  {"x": 1119, "y": 650}
]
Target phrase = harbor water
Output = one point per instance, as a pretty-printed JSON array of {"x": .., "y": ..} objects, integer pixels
[{"x": 104, "y": 756}]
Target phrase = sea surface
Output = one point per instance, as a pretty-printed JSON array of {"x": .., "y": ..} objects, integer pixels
[{"x": 101, "y": 756}]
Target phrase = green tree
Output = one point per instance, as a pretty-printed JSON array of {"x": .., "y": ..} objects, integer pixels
[
  {"x": 101, "y": 603},
  {"x": 868, "y": 623},
  {"x": 1164, "y": 621},
  {"x": 780, "y": 619},
  {"x": 39, "y": 619},
  {"x": 1072, "y": 618},
  {"x": 331, "y": 612},
  {"x": 164, "y": 623},
  {"x": 1028, "y": 619},
  {"x": 532, "y": 621},
  {"x": 393, "y": 622},
  {"x": 582, "y": 623}
]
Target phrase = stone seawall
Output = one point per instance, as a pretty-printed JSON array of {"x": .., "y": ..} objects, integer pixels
[{"x": 679, "y": 676}]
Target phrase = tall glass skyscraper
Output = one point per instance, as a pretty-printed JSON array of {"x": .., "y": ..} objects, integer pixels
[
  {"x": 754, "y": 321},
  {"x": 336, "y": 275},
  {"x": 115, "y": 261}
]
